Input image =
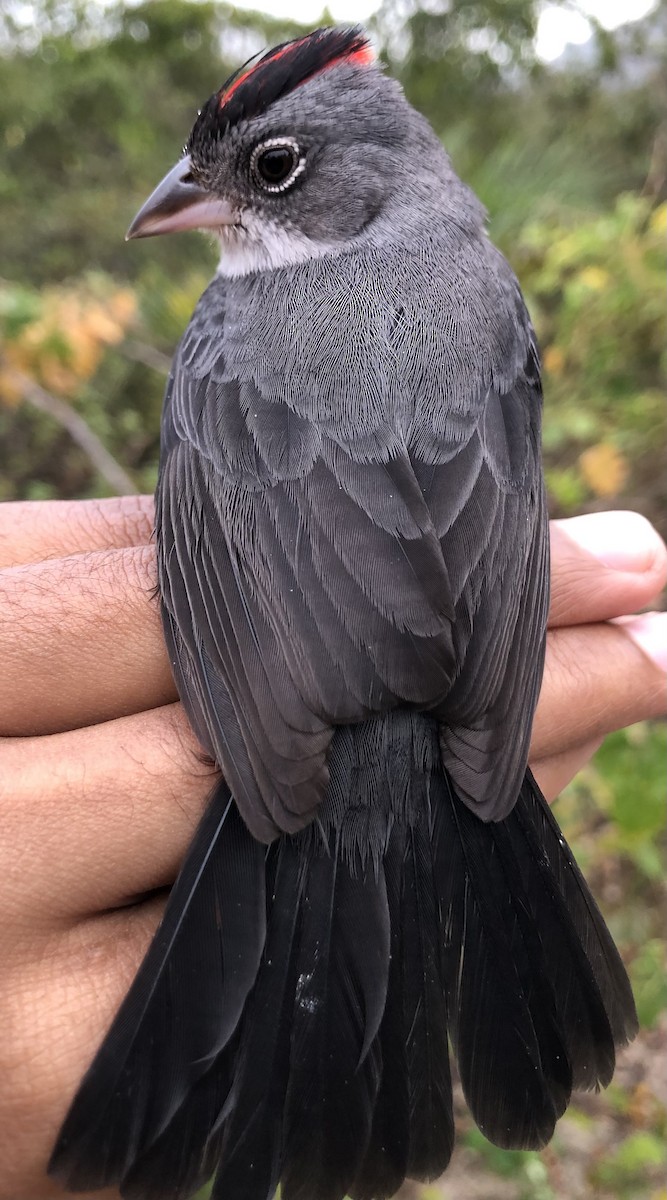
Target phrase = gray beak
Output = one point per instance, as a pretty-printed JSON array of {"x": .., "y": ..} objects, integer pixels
[{"x": 179, "y": 202}]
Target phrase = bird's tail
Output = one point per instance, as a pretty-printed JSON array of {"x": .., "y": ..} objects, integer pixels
[{"x": 293, "y": 1023}]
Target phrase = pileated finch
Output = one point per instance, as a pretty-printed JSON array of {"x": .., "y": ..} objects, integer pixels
[{"x": 353, "y": 567}]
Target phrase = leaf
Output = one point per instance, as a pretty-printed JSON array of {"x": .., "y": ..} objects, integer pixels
[
  {"x": 648, "y": 982},
  {"x": 632, "y": 1161},
  {"x": 604, "y": 469},
  {"x": 594, "y": 278},
  {"x": 553, "y": 360},
  {"x": 123, "y": 306},
  {"x": 658, "y": 225},
  {"x": 10, "y": 392}
]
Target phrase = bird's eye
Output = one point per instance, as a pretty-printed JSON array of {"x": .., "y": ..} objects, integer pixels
[{"x": 276, "y": 164}]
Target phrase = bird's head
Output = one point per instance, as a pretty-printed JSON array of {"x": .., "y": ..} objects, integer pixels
[{"x": 305, "y": 150}]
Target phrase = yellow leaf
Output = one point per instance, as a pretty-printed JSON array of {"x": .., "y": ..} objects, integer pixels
[
  {"x": 33, "y": 335},
  {"x": 641, "y": 1103},
  {"x": 123, "y": 306},
  {"x": 553, "y": 360},
  {"x": 56, "y": 377},
  {"x": 10, "y": 391},
  {"x": 64, "y": 310},
  {"x": 100, "y": 325},
  {"x": 604, "y": 469},
  {"x": 84, "y": 351},
  {"x": 594, "y": 278},
  {"x": 658, "y": 224}
]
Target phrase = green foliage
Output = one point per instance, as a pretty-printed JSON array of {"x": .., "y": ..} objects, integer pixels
[
  {"x": 457, "y": 53},
  {"x": 532, "y": 140},
  {"x": 88, "y": 131},
  {"x": 595, "y": 289},
  {"x": 89, "y": 120},
  {"x": 638, "y": 808},
  {"x": 614, "y": 812},
  {"x": 524, "y": 1167},
  {"x": 625, "y": 1170},
  {"x": 649, "y": 982}
]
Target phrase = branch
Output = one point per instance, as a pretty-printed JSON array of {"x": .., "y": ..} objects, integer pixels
[
  {"x": 79, "y": 431},
  {"x": 147, "y": 355},
  {"x": 657, "y": 171}
]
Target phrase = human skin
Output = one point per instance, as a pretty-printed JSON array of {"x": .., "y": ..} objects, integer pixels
[{"x": 102, "y": 782}]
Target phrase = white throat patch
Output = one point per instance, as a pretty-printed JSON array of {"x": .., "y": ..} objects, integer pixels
[{"x": 259, "y": 244}]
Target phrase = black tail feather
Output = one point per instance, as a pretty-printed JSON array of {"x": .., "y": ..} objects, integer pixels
[
  {"x": 398, "y": 921},
  {"x": 385, "y": 1163},
  {"x": 181, "y": 1011},
  {"x": 184, "y": 1153},
  {"x": 430, "y": 1105},
  {"x": 548, "y": 850},
  {"x": 512, "y": 1059},
  {"x": 249, "y": 1130},
  {"x": 343, "y": 963}
]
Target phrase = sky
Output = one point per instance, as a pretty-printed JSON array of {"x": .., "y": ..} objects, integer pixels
[{"x": 556, "y": 27}]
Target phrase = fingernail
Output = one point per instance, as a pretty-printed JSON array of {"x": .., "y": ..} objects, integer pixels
[
  {"x": 623, "y": 541},
  {"x": 649, "y": 632}
]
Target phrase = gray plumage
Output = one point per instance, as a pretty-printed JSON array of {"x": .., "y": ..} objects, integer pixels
[
  {"x": 373, "y": 531},
  {"x": 353, "y": 564},
  {"x": 351, "y": 422}
]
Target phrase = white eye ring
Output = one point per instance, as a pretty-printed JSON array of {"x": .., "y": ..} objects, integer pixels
[{"x": 298, "y": 164}]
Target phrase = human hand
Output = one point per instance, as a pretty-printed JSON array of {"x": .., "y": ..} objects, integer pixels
[
  {"x": 605, "y": 668},
  {"x": 102, "y": 781}
]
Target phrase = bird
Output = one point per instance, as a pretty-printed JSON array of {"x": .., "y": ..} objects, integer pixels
[{"x": 353, "y": 565}]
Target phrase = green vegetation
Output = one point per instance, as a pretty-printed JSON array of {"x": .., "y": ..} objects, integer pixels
[{"x": 572, "y": 166}]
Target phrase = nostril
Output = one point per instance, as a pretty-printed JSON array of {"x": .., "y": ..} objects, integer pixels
[{"x": 188, "y": 177}]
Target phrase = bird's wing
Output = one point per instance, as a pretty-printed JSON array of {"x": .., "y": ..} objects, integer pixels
[
  {"x": 488, "y": 507},
  {"x": 309, "y": 581},
  {"x": 300, "y": 588}
]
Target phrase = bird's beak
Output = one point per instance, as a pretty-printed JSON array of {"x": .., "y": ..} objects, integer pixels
[{"x": 179, "y": 202}]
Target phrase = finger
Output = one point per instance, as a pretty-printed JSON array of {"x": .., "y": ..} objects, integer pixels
[
  {"x": 101, "y": 815},
  {"x": 44, "y": 1051},
  {"x": 80, "y": 642},
  {"x": 604, "y": 565},
  {"x": 33, "y": 530},
  {"x": 599, "y": 678},
  {"x": 553, "y": 774}
]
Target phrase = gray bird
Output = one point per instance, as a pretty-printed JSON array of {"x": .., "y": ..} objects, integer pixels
[{"x": 353, "y": 566}]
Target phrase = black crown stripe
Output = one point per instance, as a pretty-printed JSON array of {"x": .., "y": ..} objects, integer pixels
[{"x": 261, "y": 81}]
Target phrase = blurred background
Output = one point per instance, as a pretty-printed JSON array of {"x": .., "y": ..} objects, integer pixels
[{"x": 558, "y": 122}]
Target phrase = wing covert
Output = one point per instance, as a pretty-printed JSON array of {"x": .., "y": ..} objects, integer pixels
[{"x": 495, "y": 540}]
